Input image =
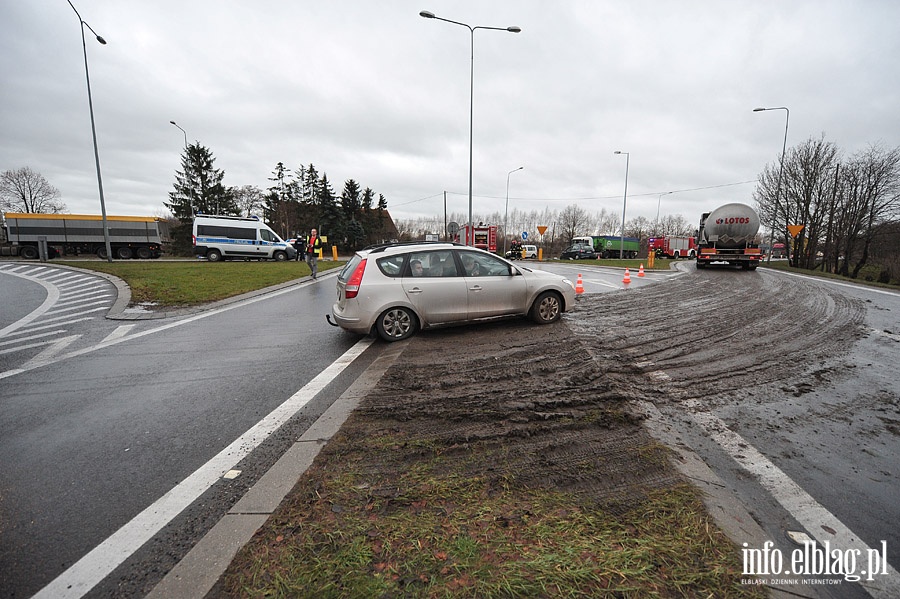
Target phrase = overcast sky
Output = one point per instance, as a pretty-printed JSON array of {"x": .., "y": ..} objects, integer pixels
[{"x": 370, "y": 90}]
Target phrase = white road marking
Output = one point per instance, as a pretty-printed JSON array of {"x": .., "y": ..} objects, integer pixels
[
  {"x": 120, "y": 332},
  {"x": 55, "y": 348},
  {"x": 87, "y": 572},
  {"x": 817, "y": 520},
  {"x": 52, "y": 297}
]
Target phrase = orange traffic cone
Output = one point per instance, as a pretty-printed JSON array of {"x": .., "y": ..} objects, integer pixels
[
  {"x": 627, "y": 278},
  {"x": 579, "y": 287},
  {"x": 641, "y": 271}
]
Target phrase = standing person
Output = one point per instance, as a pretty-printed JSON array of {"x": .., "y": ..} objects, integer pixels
[
  {"x": 313, "y": 245},
  {"x": 300, "y": 247}
]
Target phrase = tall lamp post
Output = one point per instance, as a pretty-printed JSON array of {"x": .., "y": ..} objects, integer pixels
[
  {"x": 188, "y": 161},
  {"x": 787, "y": 118},
  {"x": 94, "y": 129},
  {"x": 658, "y": 203},
  {"x": 430, "y": 15},
  {"x": 506, "y": 214},
  {"x": 624, "y": 203}
]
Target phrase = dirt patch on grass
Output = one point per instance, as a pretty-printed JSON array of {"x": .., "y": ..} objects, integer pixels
[{"x": 499, "y": 460}]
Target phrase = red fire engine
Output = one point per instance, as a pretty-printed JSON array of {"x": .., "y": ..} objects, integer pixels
[
  {"x": 481, "y": 236},
  {"x": 673, "y": 247}
]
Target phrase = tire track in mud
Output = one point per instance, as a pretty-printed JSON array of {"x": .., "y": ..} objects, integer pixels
[
  {"x": 708, "y": 334},
  {"x": 513, "y": 400}
]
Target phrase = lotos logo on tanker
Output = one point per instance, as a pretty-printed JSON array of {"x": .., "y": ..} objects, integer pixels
[{"x": 733, "y": 220}]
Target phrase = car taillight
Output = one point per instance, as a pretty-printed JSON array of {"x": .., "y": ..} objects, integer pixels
[
  {"x": 194, "y": 240},
  {"x": 352, "y": 288}
]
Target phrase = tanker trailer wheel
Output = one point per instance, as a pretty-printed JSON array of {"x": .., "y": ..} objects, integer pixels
[
  {"x": 123, "y": 253},
  {"x": 28, "y": 252},
  {"x": 143, "y": 253}
]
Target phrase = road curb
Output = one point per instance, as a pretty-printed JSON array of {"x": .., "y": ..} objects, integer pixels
[{"x": 199, "y": 571}]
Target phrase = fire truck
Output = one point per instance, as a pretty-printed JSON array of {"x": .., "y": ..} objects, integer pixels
[
  {"x": 481, "y": 236},
  {"x": 673, "y": 247}
]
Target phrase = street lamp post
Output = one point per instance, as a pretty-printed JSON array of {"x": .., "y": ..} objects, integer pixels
[
  {"x": 94, "y": 129},
  {"x": 430, "y": 15},
  {"x": 787, "y": 118},
  {"x": 624, "y": 203},
  {"x": 658, "y": 203},
  {"x": 188, "y": 162},
  {"x": 506, "y": 214}
]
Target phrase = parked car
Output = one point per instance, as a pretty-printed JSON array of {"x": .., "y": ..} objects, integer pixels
[
  {"x": 394, "y": 290},
  {"x": 578, "y": 252}
]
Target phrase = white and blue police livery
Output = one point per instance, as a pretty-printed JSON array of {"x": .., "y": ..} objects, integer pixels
[{"x": 236, "y": 237}]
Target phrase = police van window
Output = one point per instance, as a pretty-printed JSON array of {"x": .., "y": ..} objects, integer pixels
[{"x": 266, "y": 235}]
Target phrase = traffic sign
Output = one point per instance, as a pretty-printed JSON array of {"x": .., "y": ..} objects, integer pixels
[
  {"x": 795, "y": 229},
  {"x": 542, "y": 229},
  {"x": 524, "y": 234}
]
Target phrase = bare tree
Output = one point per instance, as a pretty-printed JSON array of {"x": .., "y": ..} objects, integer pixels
[
  {"x": 574, "y": 221},
  {"x": 24, "y": 190},
  {"x": 249, "y": 199},
  {"x": 870, "y": 198}
]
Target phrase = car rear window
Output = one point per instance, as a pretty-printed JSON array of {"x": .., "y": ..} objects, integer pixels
[{"x": 391, "y": 266}]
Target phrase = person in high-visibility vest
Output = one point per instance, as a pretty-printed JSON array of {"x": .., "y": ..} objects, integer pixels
[{"x": 313, "y": 245}]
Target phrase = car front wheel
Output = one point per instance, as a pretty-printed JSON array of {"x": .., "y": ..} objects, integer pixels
[
  {"x": 547, "y": 308},
  {"x": 396, "y": 324}
]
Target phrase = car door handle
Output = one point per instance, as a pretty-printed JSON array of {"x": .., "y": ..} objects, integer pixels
[
  {"x": 415, "y": 290},
  {"x": 475, "y": 288}
]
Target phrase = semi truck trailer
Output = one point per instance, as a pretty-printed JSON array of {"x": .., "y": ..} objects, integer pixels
[{"x": 76, "y": 234}]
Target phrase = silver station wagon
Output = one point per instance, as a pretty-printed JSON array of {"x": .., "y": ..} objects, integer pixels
[{"x": 397, "y": 289}]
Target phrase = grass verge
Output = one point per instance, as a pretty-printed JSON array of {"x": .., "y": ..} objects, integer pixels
[
  {"x": 189, "y": 283},
  {"x": 354, "y": 529}
]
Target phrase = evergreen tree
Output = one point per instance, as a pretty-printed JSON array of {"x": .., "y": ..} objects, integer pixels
[
  {"x": 350, "y": 199},
  {"x": 198, "y": 189},
  {"x": 328, "y": 211}
]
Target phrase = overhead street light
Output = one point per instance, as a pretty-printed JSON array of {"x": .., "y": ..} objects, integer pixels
[
  {"x": 658, "y": 203},
  {"x": 506, "y": 214},
  {"x": 787, "y": 118},
  {"x": 188, "y": 162},
  {"x": 470, "y": 238},
  {"x": 624, "y": 203},
  {"x": 87, "y": 75}
]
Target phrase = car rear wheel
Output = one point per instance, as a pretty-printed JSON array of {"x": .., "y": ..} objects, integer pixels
[
  {"x": 213, "y": 255},
  {"x": 396, "y": 324},
  {"x": 547, "y": 308}
]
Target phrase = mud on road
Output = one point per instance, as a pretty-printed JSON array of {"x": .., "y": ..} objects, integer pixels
[{"x": 559, "y": 397}]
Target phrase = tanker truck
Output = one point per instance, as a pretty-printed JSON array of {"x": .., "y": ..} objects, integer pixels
[{"x": 727, "y": 235}]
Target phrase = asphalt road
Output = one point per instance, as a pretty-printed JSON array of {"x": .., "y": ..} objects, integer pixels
[{"x": 99, "y": 431}]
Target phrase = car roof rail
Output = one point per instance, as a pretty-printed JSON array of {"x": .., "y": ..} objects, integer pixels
[{"x": 380, "y": 247}]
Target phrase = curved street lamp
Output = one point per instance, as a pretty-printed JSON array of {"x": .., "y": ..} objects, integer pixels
[
  {"x": 506, "y": 214},
  {"x": 188, "y": 161},
  {"x": 658, "y": 203},
  {"x": 787, "y": 118},
  {"x": 624, "y": 202},
  {"x": 430, "y": 15},
  {"x": 94, "y": 129}
]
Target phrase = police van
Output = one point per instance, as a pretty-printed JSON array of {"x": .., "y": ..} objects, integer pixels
[{"x": 237, "y": 237}]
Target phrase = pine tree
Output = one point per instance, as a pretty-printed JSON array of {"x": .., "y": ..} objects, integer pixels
[{"x": 198, "y": 189}]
